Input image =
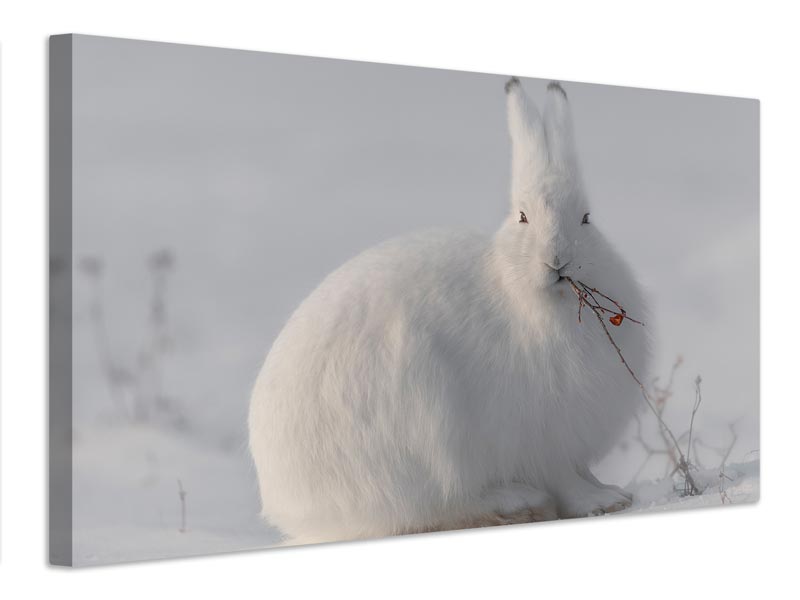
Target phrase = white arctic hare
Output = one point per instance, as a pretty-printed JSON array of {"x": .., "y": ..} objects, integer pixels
[{"x": 442, "y": 380}]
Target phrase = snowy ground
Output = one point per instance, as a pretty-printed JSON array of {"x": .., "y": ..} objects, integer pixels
[
  {"x": 128, "y": 507},
  {"x": 735, "y": 484},
  {"x": 127, "y": 503}
]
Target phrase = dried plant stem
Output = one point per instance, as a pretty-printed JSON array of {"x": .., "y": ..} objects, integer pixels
[
  {"x": 182, "y": 496},
  {"x": 647, "y": 447},
  {"x": 734, "y": 439},
  {"x": 723, "y": 493},
  {"x": 585, "y": 292},
  {"x": 698, "y": 398},
  {"x": 660, "y": 402}
]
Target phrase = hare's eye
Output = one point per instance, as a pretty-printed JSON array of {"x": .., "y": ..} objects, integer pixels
[
  {"x": 522, "y": 217},
  {"x": 585, "y": 220}
]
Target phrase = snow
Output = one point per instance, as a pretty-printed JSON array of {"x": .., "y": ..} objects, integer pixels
[
  {"x": 738, "y": 484},
  {"x": 127, "y": 506}
]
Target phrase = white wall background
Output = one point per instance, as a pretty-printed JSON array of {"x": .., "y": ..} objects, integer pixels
[{"x": 718, "y": 48}]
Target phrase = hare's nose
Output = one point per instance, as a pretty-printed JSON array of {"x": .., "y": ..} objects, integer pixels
[{"x": 556, "y": 265}]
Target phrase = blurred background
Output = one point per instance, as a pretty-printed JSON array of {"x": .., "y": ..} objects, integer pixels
[{"x": 213, "y": 189}]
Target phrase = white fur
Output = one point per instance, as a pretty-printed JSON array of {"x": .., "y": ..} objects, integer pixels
[{"x": 442, "y": 378}]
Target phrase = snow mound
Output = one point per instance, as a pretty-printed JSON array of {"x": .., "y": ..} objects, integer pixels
[
  {"x": 734, "y": 484},
  {"x": 127, "y": 501}
]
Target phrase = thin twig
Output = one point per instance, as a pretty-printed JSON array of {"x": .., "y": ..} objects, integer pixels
[
  {"x": 698, "y": 398},
  {"x": 182, "y": 496},
  {"x": 662, "y": 395},
  {"x": 585, "y": 293},
  {"x": 723, "y": 494},
  {"x": 648, "y": 448},
  {"x": 734, "y": 439},
  {"x": 582, "y": 292}
]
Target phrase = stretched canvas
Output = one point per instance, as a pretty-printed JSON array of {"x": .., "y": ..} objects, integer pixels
[{"x": 299, "y": 300}]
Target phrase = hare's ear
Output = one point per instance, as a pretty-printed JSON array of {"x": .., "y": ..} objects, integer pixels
[
  {"x": 528, "y": 144},
  {"x": 558, "y": 129}
]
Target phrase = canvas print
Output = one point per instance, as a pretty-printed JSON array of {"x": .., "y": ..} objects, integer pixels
[{"x": 298, "y": 300}]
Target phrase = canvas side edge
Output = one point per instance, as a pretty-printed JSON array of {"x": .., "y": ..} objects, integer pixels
[{"x": 60, "y": 114}]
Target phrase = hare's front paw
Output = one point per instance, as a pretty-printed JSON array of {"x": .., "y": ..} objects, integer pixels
[
  {"x": 593, "y": 501},
  {"x": 581, "y": 498},
  {"x": 513, "y": 497},
  {"x": 517, "y": 503}
]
